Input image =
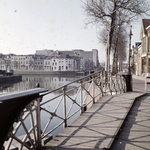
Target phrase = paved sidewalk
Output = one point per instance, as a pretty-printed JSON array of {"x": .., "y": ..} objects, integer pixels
[
  {"x": 138, "y": 83},
  {"x": 135, "y": 134},
  {"x": 138, "y": 77},
  {"x": 98, "y": 127}
]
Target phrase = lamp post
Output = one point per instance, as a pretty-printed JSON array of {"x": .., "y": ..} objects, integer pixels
[
  {"x": 128, "y": 77},
  {"x": 129, "y": 69}
]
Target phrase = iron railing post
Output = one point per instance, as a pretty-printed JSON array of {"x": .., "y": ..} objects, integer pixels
[
  {"x": 65, "y": 113},
  {"x": 93, "y": 89},
  {"x": 116, "y": 83},
  {"x": 81, "y": 98},
  {"x": 105, "y": 77},
  {"x": 102, "y": 73},
  {"x": 38, "y": 120},
  {"x": 111, "y": 83}
]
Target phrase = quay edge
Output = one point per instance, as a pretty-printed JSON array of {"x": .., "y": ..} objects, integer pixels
[
  {"x": 12, "y": 78},
  {"x": 22, "y": 72}
]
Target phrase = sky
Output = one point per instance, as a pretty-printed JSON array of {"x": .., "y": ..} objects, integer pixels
[{"x": 30, "y": 25}]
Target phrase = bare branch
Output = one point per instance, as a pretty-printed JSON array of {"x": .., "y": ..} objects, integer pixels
[{"x": 114, "y": 13}]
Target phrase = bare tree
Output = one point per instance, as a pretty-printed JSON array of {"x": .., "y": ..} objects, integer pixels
[
  {"x": 119, "y": 45},
  {"x": 107, "y": 12}
]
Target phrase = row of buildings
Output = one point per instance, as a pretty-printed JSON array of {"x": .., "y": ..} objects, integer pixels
[
  {"x": 140, "y": 59},
  {"x": 49, "y": 60}
]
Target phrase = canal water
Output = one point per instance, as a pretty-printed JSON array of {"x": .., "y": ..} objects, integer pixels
[
  {"x": 29, "y": 82},
  {"x": 48, "y": 82}
]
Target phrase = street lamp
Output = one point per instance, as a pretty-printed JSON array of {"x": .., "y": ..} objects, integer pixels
[
  {"x": 129, "y": 69},
  {"x": 129, "y": 76}
]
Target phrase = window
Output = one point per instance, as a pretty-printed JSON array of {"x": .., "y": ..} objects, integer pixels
[
  {"x": 59, "y": 67},
  {"x": 148, "y": 44},
  {"x": 139, "y": 55},
  {"x": 144, "y": 45}
]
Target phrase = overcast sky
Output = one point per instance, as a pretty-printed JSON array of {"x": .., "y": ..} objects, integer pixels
[{"x": 30, "y": 25}]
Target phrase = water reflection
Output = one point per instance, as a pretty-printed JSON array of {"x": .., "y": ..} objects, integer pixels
[
  {"x": 47, "y": 82},
  {"x": 50, "y": 83}
]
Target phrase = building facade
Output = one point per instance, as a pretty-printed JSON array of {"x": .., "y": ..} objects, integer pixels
[
  {"x": 49, "y": 60},
  {"x": 145, "y": 39},
  {"x": 141, "y": 51}
]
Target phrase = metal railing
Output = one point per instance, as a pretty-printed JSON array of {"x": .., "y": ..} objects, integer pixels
[{"x": 47, "y": 115}]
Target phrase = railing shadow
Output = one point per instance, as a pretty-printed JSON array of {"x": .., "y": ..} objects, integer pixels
[
  {"x": 135, "y": 131},
  {"x": 88, "y": 90}
]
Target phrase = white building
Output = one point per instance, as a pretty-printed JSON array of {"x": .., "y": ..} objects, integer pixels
[
  {"x": 22, "y": 62},
  {"x": 49, "y": 60},
  {"x": 142, "y": 54},
  {"x": 59, "y": 62}
]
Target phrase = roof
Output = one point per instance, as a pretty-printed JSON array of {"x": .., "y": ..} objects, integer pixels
[
  {"x": 63, "y": 55},
  {"x": 137, "y": 44},
  {"x": 146, "y": 23},
  {"x": 48, "y": 57},
  {"x": 36, "y": 57}
]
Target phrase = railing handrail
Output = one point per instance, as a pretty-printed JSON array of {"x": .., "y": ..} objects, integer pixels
[
  {"x": 94, "y": 86},
  {"x": 70, "y": 83},
  {"x": 90, "y": 75},
  {"x": 10, "y": 107}
]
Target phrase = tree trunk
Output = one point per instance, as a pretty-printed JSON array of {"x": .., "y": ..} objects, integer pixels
[
  {"x": 117, "y": 61},
  {"x": 113, "y": 67},
  {"x": 120, "y": 65},
  {"x": 109, "y": 39},
  {"x": 106, "y": 60}
]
